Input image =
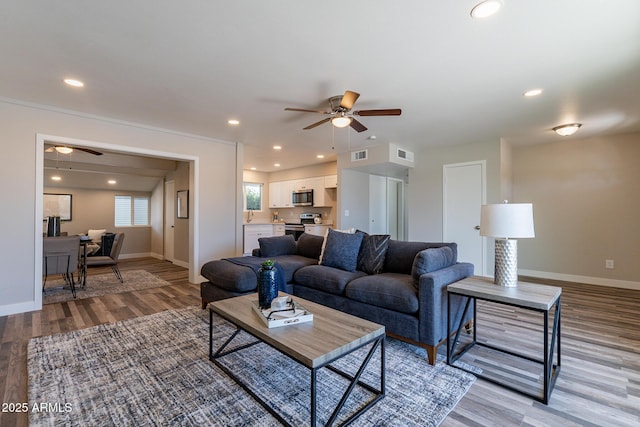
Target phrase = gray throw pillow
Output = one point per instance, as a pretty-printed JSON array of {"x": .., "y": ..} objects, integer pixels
[
  {"x": 278, "y": 245},
  {"x": 341, "y": 250},
  {"x": 372, "y": 253},
  {"x": 430, "y": 260}
]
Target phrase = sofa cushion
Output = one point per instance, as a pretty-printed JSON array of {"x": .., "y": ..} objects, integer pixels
[
  {"x": 310, "y": 245},
  {"x": 393, "y": 291},
  {"x": 230, "y": 276},
  {"x": 290, "y": 263},
  {"x": 277, "y": 245},
  {"x": 326, "y": 233},
  {"x": 400, "y": 254},
  {"x": 372, "y": 252},
  {"x": 430, "y": 260},
  {"x": 328, "y": 279},
  {"x": 341, "y": 250}
]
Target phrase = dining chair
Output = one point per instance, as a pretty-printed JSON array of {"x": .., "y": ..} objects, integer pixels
[
  {"x": 60, "y": 256},
  {"x": 111, "y": 259}
]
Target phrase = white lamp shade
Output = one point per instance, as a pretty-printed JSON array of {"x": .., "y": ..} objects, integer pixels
[{"x": 507, "y": 220}]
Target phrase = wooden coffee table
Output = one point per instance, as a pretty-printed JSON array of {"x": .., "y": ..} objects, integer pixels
[{"x": 330, "y": 336}]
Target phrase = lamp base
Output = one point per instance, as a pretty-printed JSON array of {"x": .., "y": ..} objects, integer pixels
[{"x": 506, "y": 266}]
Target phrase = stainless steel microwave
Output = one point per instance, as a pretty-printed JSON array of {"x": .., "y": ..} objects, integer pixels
[{"x": 302, "y": 198}]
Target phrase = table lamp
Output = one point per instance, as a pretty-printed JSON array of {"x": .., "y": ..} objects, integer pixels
[{"x": 507, "y": 222}]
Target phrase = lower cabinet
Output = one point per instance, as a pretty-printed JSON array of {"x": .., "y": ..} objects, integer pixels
[
  {"x": 251, "y": 235},
  {"x": 252, "y": 232},
  {"x": 317, "y": 230}
]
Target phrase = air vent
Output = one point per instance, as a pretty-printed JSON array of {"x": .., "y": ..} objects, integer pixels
[
  {"x": 404, "y": 155},
  {"x": 356, "y": 156}
]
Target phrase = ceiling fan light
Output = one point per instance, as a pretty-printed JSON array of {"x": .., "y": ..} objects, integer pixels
[
  {"x": 341, "y": 121},
  {"x": 567, "y": 130},
  {"x": 64, "y": 150}
]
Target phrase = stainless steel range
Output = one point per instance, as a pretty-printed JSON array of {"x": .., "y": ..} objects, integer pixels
[{"x": 297, "y": 228}]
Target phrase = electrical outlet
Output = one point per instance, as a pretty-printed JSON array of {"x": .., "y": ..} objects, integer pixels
[{"x": 608, "y": 263}]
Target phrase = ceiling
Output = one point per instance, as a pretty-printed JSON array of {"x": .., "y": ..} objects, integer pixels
[{"x": 192, "y": 65}]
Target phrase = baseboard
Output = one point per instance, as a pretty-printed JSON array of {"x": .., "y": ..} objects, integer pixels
[
  {"x": 141, "y": 255},
  {"x": 23, "y": 307},
  {"x": 612, "y": 283}
]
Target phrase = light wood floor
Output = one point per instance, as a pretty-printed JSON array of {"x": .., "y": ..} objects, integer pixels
[{"x": 599, "y": 384}]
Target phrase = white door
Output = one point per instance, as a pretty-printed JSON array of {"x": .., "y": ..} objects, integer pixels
[
  {"x": 169, "y": 218},
  {"x": 377, "y": 204},
  {"x": 464, "y": 193}
]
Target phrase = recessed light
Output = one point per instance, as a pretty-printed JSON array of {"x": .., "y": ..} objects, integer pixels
[
  {"x": 253, "y": 168},
  {"x": 111, "y": 181},
  {"x": 56, "y": 178},
  {"x": 532, "y": 92},
  {"x": 234, "y": 122},
  {"x": 74, "y": 82},
  {"x": 277, "y": 147},
  {"x": 276, "y": 165},
  {"x": 486, "y": 8},
  {"x": 320, "y": 156}
]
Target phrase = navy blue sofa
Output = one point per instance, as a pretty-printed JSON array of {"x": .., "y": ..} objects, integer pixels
[{"x": 405, "y": 292}]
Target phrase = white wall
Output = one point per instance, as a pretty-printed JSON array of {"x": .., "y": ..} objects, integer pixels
[
  {"x": 586, "y": 201},
  {"x": 215, "y": 179}
]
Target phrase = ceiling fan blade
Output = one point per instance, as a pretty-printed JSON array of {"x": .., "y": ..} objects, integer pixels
[
  {"x": 357, "y": 126},
  {"x": 348, "y": 99},
  {"x": 387, "y": 112},
  {"x": 88, "y": 150},
  {"x": 304, "y": 110},
  {"x": 318, "y": 123}
]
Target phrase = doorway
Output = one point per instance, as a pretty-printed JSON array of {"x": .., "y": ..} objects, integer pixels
[
  {"x": 42, "y": 139},
  {"x": 464, "y": 193},
  {"x": 169, "y": 220}
]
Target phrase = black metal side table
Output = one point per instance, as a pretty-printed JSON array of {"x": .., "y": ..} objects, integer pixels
[{"x": 540, "y": 298}]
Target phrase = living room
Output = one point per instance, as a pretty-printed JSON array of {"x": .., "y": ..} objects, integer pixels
[{"x": 460, "y": 90}]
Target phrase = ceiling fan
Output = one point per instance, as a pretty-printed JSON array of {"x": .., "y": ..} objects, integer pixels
[
  {"x": 67, "y": 149},
  {"x": 341, "y": 114}
]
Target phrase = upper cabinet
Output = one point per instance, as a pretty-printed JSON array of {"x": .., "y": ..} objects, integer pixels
[
  {"x": 280, "y": 191},
  {"x": 280, "y": 194},
  {"x": 331, "y": 181}
]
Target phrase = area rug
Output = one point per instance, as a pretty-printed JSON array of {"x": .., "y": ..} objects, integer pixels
[
  {"x": 102, "y": 284},
  {"x": 154, "y": 370}
]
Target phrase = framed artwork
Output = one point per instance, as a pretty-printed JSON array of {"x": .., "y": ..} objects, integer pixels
[
  {"x": 57, "y": 205},
  {"x": 183, "y": 204}
]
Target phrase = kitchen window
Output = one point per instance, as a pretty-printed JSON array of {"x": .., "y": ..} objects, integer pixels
[{"x": 252, "y": 195}]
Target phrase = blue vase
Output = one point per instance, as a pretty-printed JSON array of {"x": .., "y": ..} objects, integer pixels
[{"x": 267, "y": 286}]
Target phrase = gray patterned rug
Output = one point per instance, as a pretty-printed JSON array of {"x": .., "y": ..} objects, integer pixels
[
  {"x": 101, "y": 284},
  {"x": 154, "y": 370}
]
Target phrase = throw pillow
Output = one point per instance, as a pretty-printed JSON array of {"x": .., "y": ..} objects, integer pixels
[
  {"x": 430, "y": 260},
  {"x": 96, "y": 235},
  {"x": 277, "y": 245},
  {"x": 372, "y": 253},
  {"x": 326, "y": 233},
  {"x": 341, "y": 250},
  {"x": 310, "y": 245}
]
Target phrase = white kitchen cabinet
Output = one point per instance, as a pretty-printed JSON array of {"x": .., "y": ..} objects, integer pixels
[
  {"x": 253, "y": 232},
  {"x": 316, "y": 229},
  {"x": 331, "y": 181},
  {"x": 280, "y": 194},
  {"x": 278, "y": 229}
]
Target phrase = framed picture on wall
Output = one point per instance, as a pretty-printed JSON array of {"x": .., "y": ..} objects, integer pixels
[
  {"x": 183, "y": 204},
  {"x": 57, "y": 205}
]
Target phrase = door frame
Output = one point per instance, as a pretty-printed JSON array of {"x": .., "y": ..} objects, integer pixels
[{"x": 483, "y": 173}]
